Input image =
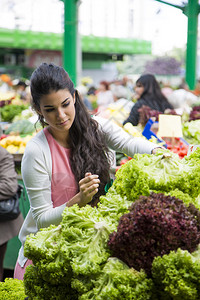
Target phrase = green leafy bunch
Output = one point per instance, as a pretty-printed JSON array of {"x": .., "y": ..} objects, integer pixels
[
  {"x": 177, "y": 276},
  {"x": 118, "y": 281},
  {"x": 163, "y": 172},
  {"x": 74, "y": 249},
  {"x": 12, "y": 289}
]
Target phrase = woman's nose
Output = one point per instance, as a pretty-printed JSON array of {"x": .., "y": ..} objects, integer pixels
[{"x": 60, "y": 113}]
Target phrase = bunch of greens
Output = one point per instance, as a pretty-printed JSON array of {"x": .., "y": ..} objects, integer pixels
[
  {"x": 155, "y": 225},
  {"x": 8, "y": 112},
  {"x": 191, "y": 132},
  {"x": 163, "y": 172},
  {"x": 12, "y": 289},
  {"x": 177, "y": 276},
  {"x": 37, "y": 288},
  {"x": 117, "y": 281},
  {"x": 74, "y": 260},
  {"x": 77, "y": 248}
]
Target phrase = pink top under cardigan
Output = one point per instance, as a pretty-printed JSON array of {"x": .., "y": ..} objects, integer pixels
[{"x": 63, "y": 183}]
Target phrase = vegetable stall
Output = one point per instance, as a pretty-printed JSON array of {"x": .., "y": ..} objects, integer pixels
[{"x": 142, "y": 241}]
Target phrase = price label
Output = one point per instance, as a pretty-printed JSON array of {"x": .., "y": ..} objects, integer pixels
[{"x": 169, "y": 126}]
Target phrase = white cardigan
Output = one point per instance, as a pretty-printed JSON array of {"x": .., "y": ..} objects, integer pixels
[{"x": 37, "y": 173}]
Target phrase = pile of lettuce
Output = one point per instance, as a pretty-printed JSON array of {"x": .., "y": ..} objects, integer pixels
[
  {"x": 154, "y": 226},
  {"x": 140, "y": 242},
  {"x": 163, "y": 172},
  {"x": 73, "y": 261},
  {"x": 191, "y": 131}
]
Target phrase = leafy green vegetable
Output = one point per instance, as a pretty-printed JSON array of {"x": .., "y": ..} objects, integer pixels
[
  {"x": 155, "y": 225},
  {"x": 8, "y": 112},
  {"x": 12, "y": 289},
  {"x": 117, "y": 281},
  {"x": 162, "y": 172},
  {"x": 177, "y": 276},
  {"x": 20, "y": 127},
  {"x": 37, "y": 288},
  {"x": 191, "y": 132},
  {"x": 78, "y": 246}
]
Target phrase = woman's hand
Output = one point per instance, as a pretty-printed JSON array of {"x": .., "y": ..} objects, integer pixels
[{"x": 88, "y": 188}]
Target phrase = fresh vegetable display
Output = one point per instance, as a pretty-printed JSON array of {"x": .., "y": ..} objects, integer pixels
[
  {"x": 191, "y": 132},
  {"x": 177, "y": 275},
  {"x": 195, "y": 113},
  {"x": 12, "y": 289},
  {"x": 15, "y": 143},
  {"x": 178, "y": 146},
  {"x": 20, "y": 127},
  {"x": 140, "y": 242},
  {"x": 155, "y": 225},
  {"x": 145, "y": 113},
  {"x": 162, "y": 172},
  {"x": 8, "y": 112}
]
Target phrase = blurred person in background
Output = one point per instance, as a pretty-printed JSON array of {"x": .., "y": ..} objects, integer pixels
[
  {"x": 22, "y": 89},
  {"x": 166, "y": 89},
  {"x": 83, "y": 95},
  {"x": 9, "y": 185},
  {"x": 148, "y": 93},
  {"x": 182, "y": 99},
  {"x": 104, "y": 96}
]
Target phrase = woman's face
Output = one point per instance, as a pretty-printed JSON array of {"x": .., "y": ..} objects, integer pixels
[
  {"x": 58, "y": 110},
  {"x": 139, "y": 89}
]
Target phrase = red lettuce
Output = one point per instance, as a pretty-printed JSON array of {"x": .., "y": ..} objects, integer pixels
[{"x": 155, "y": 225}]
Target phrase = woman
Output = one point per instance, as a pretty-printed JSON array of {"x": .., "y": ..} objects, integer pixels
[
  {"x": 68, "y": 161},
  {"x": 148, "y": 93},
  {"x": 9, "y": 185},
  {"x": 104, "y": 96}
]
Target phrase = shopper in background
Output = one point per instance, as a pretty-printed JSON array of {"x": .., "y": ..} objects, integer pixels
[
  {"x": 104, "y": 96},
  {"x": 68, "y": 162},
  {"x": 83, "y": 95},
  {"x": 9, "y": 185},
  {"x": 182, "y": 99},
  {"x": 148, "y": 93}
]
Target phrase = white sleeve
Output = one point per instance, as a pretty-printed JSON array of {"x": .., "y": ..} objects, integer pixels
[
  {"x": 37, "y": 181},
  {"x": 119, "y": 140}
]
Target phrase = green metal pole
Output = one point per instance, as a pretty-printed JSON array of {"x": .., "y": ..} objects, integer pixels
[
  {"x": 70, "y": 38},
  {"x": 192, "y": 11}
]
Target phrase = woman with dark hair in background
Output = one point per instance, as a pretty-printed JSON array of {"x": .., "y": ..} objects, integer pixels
[
  {"x": 67, "y": 162},
  {"x": 148, "y": 93}
]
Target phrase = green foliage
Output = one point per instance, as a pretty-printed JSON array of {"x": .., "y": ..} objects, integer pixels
[
  {"x": 37, "y": 288},
  {"x": 177, "y": 276},
  {"x": 78, "y": 246},
  {"x": 159, "y": 173},
  {"x": 117, "y": 281},
  {"x": 12, "y": 289},
  {"x": 21, "y": 127},
  {"x": 8, "y": 112},
  {"x": 73, "y": 260},
  {"x": 191, "y": 132}
]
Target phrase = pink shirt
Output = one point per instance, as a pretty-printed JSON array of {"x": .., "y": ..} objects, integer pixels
[{"x": 63, "y": 183}]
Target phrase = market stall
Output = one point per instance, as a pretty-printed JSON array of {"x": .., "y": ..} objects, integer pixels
[{"x": 140, "y": 242}]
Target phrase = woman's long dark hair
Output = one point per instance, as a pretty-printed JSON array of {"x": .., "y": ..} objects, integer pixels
[
  {"x": 152, "y": 92},
  {"x": 89, "y": 152}
]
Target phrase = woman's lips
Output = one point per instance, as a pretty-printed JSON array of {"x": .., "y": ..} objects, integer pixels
[{"x": 63, "y": 123}]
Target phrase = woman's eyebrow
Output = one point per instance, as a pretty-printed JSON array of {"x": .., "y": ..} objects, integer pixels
[{"x": 61, "y": 103}]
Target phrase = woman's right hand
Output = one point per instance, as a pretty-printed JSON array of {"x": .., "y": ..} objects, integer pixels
[{"x": 88, "y": 188}]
